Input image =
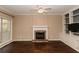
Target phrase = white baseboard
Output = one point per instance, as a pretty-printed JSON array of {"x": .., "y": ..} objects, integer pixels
[
  {"x": 22, "y": 40},
  {"x": 53, "y": 39},
  {"x": 5, "y": 43},
  {"x": 31, "y": 39},
  {"x": 70, "y": 46}
]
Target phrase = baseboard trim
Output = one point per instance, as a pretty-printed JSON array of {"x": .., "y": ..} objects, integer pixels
[
  {"x": 71, "y": 46},
  {"x": 5, "y": 43},
  {"x": 53, "y": 39},
  {"x": 22, "y": 40},
  {"x": 31, "y": 39}
]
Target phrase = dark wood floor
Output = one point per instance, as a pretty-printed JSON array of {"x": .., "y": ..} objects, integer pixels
[{"x": 33, "y": 47}]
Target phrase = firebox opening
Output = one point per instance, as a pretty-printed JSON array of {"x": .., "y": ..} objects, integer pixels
[{"x": 40, "y": 35}]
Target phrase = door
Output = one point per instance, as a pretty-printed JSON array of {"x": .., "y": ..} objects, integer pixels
[{"x": 6, "y": 29}]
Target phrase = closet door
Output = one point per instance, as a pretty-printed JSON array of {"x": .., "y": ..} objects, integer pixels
[{"x": 5, "y": 30}]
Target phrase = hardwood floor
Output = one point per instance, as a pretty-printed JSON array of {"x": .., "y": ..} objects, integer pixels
[{"x": 37, "y": 47}]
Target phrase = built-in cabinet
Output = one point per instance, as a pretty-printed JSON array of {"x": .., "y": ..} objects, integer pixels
[{"x": 70, "y": 17}]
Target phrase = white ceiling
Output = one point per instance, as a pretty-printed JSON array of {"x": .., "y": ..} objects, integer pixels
[{"x": 31, "y": 9}]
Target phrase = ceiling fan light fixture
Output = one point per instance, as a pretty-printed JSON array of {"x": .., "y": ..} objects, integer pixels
[{"x": 41, "y": 11}]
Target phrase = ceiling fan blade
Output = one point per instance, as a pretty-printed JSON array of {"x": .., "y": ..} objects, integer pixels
[{"x": 48, "y": 8}]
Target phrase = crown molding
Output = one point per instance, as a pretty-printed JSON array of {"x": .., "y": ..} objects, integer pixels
[
  {"x": 40, "y": 14},
  {"x": 6, "y": 11}
]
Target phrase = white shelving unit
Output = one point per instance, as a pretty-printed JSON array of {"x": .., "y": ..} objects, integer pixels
[{"x": 66, "y": 23}]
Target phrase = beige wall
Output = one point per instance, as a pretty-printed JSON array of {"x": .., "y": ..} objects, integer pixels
[{"x": 22, "y": 25}]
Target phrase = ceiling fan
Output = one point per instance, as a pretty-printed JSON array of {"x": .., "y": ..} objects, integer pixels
[{"x": 42, "y": 9}]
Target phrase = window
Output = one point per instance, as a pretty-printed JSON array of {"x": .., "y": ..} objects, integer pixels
[
  {"x": 5, "y": 26},
  {"x": 5, "y": 29}
]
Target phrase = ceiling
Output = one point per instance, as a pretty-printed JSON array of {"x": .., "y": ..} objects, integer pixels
[{"x": 31, "y": 9}]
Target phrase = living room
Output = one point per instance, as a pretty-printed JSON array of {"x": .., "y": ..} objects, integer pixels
[{"x": 38, "y": 28}]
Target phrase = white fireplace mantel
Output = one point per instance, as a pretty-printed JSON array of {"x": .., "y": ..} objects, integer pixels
[
  {"x": 35, "y": 28},
  {"x": 40, "y": 26}
]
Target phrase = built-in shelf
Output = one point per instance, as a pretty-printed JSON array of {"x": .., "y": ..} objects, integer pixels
[
  {"x": 76, "y": 14},
  {"x": 66, "y": 23},
  {"x": 76, "y": 19}
]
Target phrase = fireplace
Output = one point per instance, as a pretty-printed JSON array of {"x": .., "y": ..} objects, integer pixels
[
  {"x": 40, "y": 32},
  {"x": 40, "y": 35}
]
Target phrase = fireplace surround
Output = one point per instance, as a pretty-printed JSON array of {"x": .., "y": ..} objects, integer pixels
[{"x": 40, "y": 32}]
